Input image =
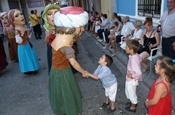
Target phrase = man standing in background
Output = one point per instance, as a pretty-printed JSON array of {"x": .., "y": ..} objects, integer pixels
[
  {"x": 35, "y": 24},
  {"x": 168, "y": 30}
]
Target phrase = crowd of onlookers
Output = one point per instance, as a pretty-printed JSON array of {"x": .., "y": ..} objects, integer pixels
[
  {"x": 120, "y": 29},
  {"x": 60, "y": 36},
  {"x": 14, "y": 30},
  {"x": 139, "y": 39}
]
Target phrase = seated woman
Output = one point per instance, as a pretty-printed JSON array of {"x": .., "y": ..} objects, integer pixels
[
  {"x": 150, "y": 39},
  {"x": 112, "y": 40},
  {"x": 113, "y": 32},
  {"x": 136, "y": 35},
  {"x": 113, "y": 29}
]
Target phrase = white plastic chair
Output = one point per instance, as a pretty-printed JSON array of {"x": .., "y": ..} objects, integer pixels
[{"x": 159, "y": 53}]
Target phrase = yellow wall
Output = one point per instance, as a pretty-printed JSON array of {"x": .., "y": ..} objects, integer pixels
[{"x": 106, "y": 8}]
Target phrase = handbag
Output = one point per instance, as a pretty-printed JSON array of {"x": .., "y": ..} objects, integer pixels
[
  {"x": 140, "y": 49},
  {"x": 145, "y": 44}
]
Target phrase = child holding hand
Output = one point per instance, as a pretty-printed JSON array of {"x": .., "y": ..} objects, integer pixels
[{"x": 108, "y": 80}]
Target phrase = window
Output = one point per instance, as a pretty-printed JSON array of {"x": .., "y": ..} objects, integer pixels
[
  {"x": 14, "y": 4},
  {"x": 149, "y": 8}
]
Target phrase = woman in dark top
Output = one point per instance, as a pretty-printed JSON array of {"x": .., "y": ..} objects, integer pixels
[
  {"x": 147, "y": 41},
  {"x": 150, "y": 39}
]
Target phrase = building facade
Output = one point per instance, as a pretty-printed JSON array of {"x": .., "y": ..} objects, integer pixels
[
  {"x": 139, "y": 9},
  {"x": 136, "y": 9},
  {"x": 23, "y": 5},
  {"x": 27, "y": 5}
]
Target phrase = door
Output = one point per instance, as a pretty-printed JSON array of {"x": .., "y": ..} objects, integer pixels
[{"x": 106, "y": 8}]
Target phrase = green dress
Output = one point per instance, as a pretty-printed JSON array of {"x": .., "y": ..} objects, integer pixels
[{"x": 64, "y": 92}]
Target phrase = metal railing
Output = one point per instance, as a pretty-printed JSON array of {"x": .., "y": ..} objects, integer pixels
[{"x": 149, "y": 8}]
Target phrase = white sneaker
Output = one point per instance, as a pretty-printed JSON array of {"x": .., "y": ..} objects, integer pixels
[
  {"x": 121, "y": 42},
  {"x": 100, "y": 40},
  {"x": 104, "y": 47}
]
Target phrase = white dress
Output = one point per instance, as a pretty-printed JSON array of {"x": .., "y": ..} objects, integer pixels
[{"x": 137, "y": 34}]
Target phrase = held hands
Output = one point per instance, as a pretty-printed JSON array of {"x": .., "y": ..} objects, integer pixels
[{"x": 85, "y": 74}]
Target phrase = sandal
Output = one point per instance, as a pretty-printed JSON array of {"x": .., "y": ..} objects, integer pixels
[
  {"x": 104, "y": 106},
  {"x": 111, "y": 110},
  {"x": 128, "y": 104},
  {"x": 130, "y": 110}
]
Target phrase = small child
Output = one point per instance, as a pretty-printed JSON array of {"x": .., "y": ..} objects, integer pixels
[
  {"x": 133, "y": 74},
  {"x": 159, "y": 101},
  {"x": 108, "y": 80}
]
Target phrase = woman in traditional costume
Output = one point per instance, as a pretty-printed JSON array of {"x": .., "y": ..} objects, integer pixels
[
  {"x": 64, "y": 92},
  {"x": 28, "y": 60},
  {"x": 48, "y": 17},
  {"x": 9, "y": 33}
]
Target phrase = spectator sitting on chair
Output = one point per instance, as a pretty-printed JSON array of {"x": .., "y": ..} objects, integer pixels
[
  {"x": 110, "y": 31},
  {"x": 112, "y": 40},
  {"x": 150, "y": 39},
  {"x": 96, "y": 17},
  {"x": 127, "y": 29},
  {"x": 112, "y": 37},
  {"x": 103, "y": 26},
  {"x": 91, "y": 21},
  {"x": 136, "y": 35}
]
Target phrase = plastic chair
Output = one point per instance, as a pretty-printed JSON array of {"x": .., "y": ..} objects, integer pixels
[{"x": 158, "y": 54}]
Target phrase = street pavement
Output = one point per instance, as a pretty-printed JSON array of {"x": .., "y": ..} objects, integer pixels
[{"x": 28, "y": 94}]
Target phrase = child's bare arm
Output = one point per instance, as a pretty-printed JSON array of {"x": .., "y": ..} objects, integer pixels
[
  {"x": 160, "y": 90},
  {"x": 93, "y": 76}
]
